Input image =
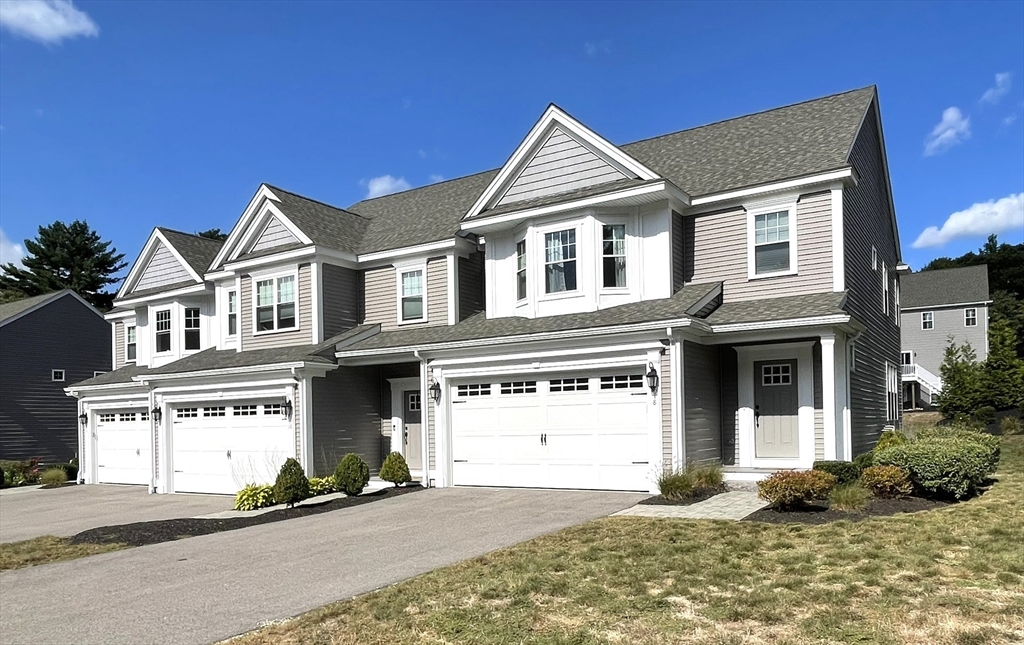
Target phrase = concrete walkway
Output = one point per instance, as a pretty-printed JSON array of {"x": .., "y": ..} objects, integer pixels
[{"x": 734, "y": 505}]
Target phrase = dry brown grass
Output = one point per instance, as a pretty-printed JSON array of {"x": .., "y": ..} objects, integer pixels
[{"x": 47, "y": 549}]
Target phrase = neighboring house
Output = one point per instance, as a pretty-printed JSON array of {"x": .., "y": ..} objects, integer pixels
[
  {"x": 46, "y": 343},
  {"x": 938, "y": 307},
  {"x": 583, "y": 317}
]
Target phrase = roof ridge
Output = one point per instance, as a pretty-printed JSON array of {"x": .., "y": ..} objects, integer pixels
[
  {"x": 192, "y": 235},
  {"x": 315, "y": 201}
]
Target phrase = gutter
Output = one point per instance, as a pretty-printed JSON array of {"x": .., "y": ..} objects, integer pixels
[{"x": 230, "y": 371}]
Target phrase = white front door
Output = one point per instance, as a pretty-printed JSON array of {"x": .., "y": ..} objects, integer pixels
[
  {"x": 124, "y": 447},
  {"x": 221, "y": 447},
  {"x": 573, "y": 431}
]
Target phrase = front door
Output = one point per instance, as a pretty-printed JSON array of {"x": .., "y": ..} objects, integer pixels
[
  {"x": 411, "y": 425},
  {"x": 776, "y": 410}
]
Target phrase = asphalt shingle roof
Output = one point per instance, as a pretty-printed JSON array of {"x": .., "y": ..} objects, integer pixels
[
  {"x": 197, "y": 251},
  {"x": 944, "y": 287},
  {"x": 11, "y": 309},
  {"x": 214, "y": 359},
  {"x": 785, "y": 308},
  {"x": 326, "y": 225},
  {"x": 121, "y": 375}
]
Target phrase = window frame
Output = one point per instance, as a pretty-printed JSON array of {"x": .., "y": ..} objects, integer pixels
[
  {"x": 54, "y": 375},
  {"x": 752, "y": 214},
  {"x": 232, "y": 312},
  {"x": 885, "y": 289},
  {"x": 157, "y": 331},
  {"x": 968, "y": 318},
  {"x": 131, "y": 346},
  {"x": 401, "y": 270},
  {"x": 908, "y": 355},
  {"x": 541, "y": 260},
  {"x": 602, "y": 222},
  {"x": 275, "y": 277},
  {"x": 930, "y": 320},
  {"x": 522, "y": 274},
  {"x": 185, "y": 329}
]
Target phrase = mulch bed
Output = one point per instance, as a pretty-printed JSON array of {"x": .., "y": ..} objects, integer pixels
[
  {"x": 699, "y": 496},
  {"x": 820, "y": 513},
  {"x": 143, "y": 533}
]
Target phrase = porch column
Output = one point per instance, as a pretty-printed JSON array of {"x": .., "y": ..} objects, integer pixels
[{"x": 829, "y": 394}]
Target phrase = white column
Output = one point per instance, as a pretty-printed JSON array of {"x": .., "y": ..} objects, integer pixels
[{"x": 828, "y": 390}]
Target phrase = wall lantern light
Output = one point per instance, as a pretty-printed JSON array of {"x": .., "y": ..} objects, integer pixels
[
  {"x": 652, "y": 378},
  {"x": 83, "y": 419},
  {"x": 435, "y": 391},
  {"x": 157, "y": 414},
  {"x": 286, "y": 409}
]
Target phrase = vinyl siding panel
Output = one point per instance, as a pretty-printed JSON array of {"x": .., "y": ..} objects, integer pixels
[
  {"x": 275, "y": 234},
  {"x": 381, "y": 296},
  {"x": 867, "y": 223},
  {"x": 437, "y": 292},
  {"x": 929, "y": 345},
  {"x": 819, "y": 411},
  {"x": 730, "y": 406},
  {"x": 678, "y": 252},
  {"x": 471, "y": 285},
  {"x": 701, "y": 377},
  {"x": 720, "y": 252},
  {"x": 119, "y": 345},
  {"x": 340, "y": 305},
  {"x": 301, "y": 335},
  {"x": 163, "y": 269},
  {"x": 666, "y": 411},
  {"x": 347, "y": 418}
]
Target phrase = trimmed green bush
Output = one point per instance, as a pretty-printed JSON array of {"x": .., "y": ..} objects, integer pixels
[
  {"x": 889, "y": 439},
  {"x": 986, "y": 415},
  {"x": 887, "y": 481},
  {"x": 1010, "y": 426},
  {"x": 848, "y": 497},
  {"x": 864, "y": 460},
  {"x": 254, "y": 496},
  {"x": 53, "y": 477},
  {"x": 291, "y": 485},
  {"x": 675, "y": 484},
  {"x": 395, "y": 469},
  {"x": 953, "y": 467},
  {"x": 792, "y": 489},
  {"x": 352, "y": 474},
  {"x": 844, "y": 471},
  {"x": 322, "y": 485},
  {"x": 990, "y": 442}
]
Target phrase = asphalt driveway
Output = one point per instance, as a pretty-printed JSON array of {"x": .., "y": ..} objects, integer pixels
[
  {"x": 30, "y": 512},
  {"x": 208, "y": 588}
]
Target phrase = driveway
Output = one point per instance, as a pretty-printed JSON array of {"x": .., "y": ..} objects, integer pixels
[
  {"x": 30, "y": 512},
  {"x": 211, "y": 587}
]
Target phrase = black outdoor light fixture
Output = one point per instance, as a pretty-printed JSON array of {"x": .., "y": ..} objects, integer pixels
[
  {"x": 286, "y": 409},
  {"x": 83, "y": 419},
  {"x": 435, "y": 391},
  {"x": 157, "y": 414},
  {"x": 652, "y": 378}
]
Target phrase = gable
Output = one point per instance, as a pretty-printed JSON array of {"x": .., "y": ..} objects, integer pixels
[
  {"x": 561, "y": 164},
  {"x": 162, "y": 270},
  {"x": 274, "y": 234}
]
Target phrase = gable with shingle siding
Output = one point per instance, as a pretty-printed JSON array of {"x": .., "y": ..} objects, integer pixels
[{"x": 162, "y": 270}]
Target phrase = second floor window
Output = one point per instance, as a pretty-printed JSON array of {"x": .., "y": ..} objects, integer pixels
[
  {"x": 130, "y": 343},
  {"x": 970, "y": 317},
  {"x": 521, "y": 269},
  {"x": 232, "y": 313},
  {"x": 275, "y": 303},
  {"x": 771, "y": 243},
  {"x": 560, "y": 261},
  {"x": 191, "y": 328},
  {"x": 163, "y": 330},
  {"x": 614, "y": 255},
  {"x": 927, "y": 320},
  {"x": 412, "y": 295}
]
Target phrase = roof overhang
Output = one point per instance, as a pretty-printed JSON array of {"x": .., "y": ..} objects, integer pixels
[
  {"x": 184, "y": 291},
  {"x": 42, "y": 303},
  {"x": 254, "y": 226},
  {"x": 846, "y": 174},
  {"x": 263, "y": 193},
  {"x": 142, "y": 262},
  {"x": 236, "y": 371}
]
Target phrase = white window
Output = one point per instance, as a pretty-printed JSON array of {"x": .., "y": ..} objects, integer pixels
[
  {"x": 144, "y": 416},
  {"x": 970, "y": 317},
  {"x": 214, "y": 412},
  {"x": 874, "y": 259},
  {"x": 56, "y": 375},
  {"x": 413, "y": 402},
  {"x": 892, "y": 392},
  {"x": 569, "y": 385},
  {"x": 126, "y": 417},
  {"x": 244, "y": 410},
  {"x": 475, "y": 389},
  {"x": 186, "y": 413},
  {"x": 232, "y": 313},
  {"x": 853, "y": 357},
  {"x": 275, "y": 303},
  {"x": 613, "y": 250},
  {"x": 521, "y": 269},
  {"x": 519, "y": 387},
  {"x": 776, "y": 374},
  {"x": 97, "y": 373},
  {"x": 622, "y": 381},
  {"x": 163, "y": 330},
  {"x": 927, "y": 320},
  {"x": 411, "y": 296},
  {"x": 907, "y": 358},
  {"x": 272, "y": 409},
  {"x": 772, "y": 250},
  {"x": 191, "y": 328},
  {"x": 130, "y": 343},
  {"x": 885, "y": 289},
  {"x": 107, "y": 417},
  {"x": 560, "y": 261}
]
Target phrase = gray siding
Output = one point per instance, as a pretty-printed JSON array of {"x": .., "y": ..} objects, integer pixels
[
  {"x": 730, "y": 406},
  {"x": 36, "y": 418},
  {"x": 275, "y": 234},
  {"x": 867, "y": 223},
  {"x": 819, "y": 410},
  {"x": 678, "y": 252},
  {"x": 163, "y": 269},
  {"x": 929, "y": 345},
  {"x": 302, "y": 335},
  {"x": 437, "y": 291},
  {"x": 720, "y": 252},
  {"x": 561, "y": 164},
  {"x": 703, "y": 399},
  {"x": 381, "y": 296},
  {"x": 346, "y": 418},
  {"x": 119, "y": 345},
  {"x": 666, "y": 411},
  {"x": 471, "y": 285},
  {"x": 340, "y": 305}
]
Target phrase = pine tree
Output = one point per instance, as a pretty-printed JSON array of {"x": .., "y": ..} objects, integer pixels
[
  {"x": 962, "y": 381},
  {"x": 65, "y": 256},
  {"x": 213, "y": 234},
  {"x": 1004, "y": 372}
]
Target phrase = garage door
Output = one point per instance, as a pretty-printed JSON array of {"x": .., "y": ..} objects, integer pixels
[
  {"x": 576, "y": 431},
  {"x": 221, "y": 448},
  {"x": 124, "y": 447}
]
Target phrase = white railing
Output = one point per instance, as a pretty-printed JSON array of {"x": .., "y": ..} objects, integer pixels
[{"x": 920, "y": 374}]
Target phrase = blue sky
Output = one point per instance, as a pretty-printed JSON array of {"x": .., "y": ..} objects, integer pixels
[{"x": 136, "y": 114}]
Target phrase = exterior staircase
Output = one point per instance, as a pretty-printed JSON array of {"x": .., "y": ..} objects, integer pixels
[{"x": 928, "y": 384}]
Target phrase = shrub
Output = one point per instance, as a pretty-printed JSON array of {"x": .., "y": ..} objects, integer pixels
[
  {"x": 844, "y": 471},
  {"x": 889, "y": 439},
  {"x": 989, "y": 442},
  {"x": 986, "y": 415},
  {"x": 322, "y": 485},
  {"x": 3, "y": 482},
  {"x": 943, "y": 466},
  {"x": 395, "y": 469},
  {"x": 887, "y": 481},
  {"x": 675, "y": 484},
  {"x": 53, "y": 477},
  {"x": 848, "y": 497},
  {"x": 352, "y": 474},
  {"x": 1010, "y": 426},
  {"x": 254, "y": 496},
  {"x": 71, "y": 470},
  {"x": 291, "y": 485},
  {"x": 21, "y": 473},
  {"x": 864, "y": 460},
  {"x": 793, "y": 489},
  {"x": 705, "y": 476}
]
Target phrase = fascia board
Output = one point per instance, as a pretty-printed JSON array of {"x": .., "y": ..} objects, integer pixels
[{"x": 262, "y": 193}]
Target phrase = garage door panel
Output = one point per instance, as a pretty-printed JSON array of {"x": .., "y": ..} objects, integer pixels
[
  {"x": 124, "y": 451},
  {"x": 571, "y": 415},
  {"x": 515, "y": 416}
]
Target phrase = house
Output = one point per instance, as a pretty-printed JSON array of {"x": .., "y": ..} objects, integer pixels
[
  {"x": 582, "y": 317},
  {"x": 46, "y": 343},
  {"x": 938, "y": 307}
]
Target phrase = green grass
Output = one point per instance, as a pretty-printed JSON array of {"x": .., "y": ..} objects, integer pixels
[
  {"x": 47, "y": 549},
  {"x": 945, "y": 577}
]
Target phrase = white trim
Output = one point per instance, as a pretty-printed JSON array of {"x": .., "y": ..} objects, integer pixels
[
  {"x": 127, "y": 360},
  {"x": 452, "y": 286},
  {"x": 262, "y": 193},
  {"x": 955, "y": 305},
  {"x": 828, "y": 395},
  {"x": 400, "y": 270},
  {"x": 255, "y": 229},
  {"x": 838, "y": 242},
  {"x": 833, "y": 319},
  {"x": 845, "y": 173},
  {"x": 752, "y": 215},
  {"x": 425, "y": 425},
  {"x": 677, "y": 354},
  {"x": 398, "y": 387},
  {"x": 296, "y": 254},
  {"x": 111, "y": 315},
  {"x": 230, "y": 371},
  {"x": 316, "y": 282},
  {"x": 142, "y": 263},
  {"x": 164, "y": 295},
  {"x": 273, "y": 275},
  {"x": 407, "y": 250}
]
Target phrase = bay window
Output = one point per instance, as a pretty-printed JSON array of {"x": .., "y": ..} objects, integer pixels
[
  {"x": 521, "y": 269},
  {"x": 163, "y": 330},
  {"x": 411, "y": 296},
  {"x": 614, "y": 255},
  {"x": 232, "y": 313},
  {"x": 560, "y": 261},
  {"x": 771, "y": 244},
  {"x": 275, "y": 303},
  {"x": 130, "y": 343}
]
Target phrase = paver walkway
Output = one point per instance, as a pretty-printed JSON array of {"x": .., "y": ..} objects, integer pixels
[{"x": 734, "y": 505}]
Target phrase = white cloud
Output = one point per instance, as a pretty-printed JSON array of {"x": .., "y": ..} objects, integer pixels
[
  {"x": 385, "y": 185},
  {"x": 436, "y": 178},
  {"x": 9, "y": 251},
  {"x": 1010, "y": 119},
  {"x": 954, "y": 128},
  {"x": 46, "y": 21},
  {"x": 980, "y": 220},
  {"x": 595, "y": 48},
  {"x": 993, "y": 94}
]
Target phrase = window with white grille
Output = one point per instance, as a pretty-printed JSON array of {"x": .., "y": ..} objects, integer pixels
[
  {"x": 107, "y": 418},
  {"x": 970, "y": 317},
  {"x": 244, "y": 410},
  {"x": 126, "y": 417},
  {"x": 272, "y": 408},
  {"x": 569, "y": 385},
  {"x": 927, "y": 320},
  {"x": 143, "y": 416},
  {"x": 186, "y": 413},
  {"x": 519, "y": 387},
  {"x": 474, "y": 389},
  {"x": 622, "y": 381},
  {"x": 776, "y": 374},
  {"x": 218, "y": 411}
]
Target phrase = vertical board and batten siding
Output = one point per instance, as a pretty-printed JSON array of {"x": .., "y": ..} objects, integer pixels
[
  {"x": 471, "y": 285},
  {"x": 867, "y": 222},
  {"x": 119, "y": 345},
  {"x": 298, "y": 336},
  {"x": 340, "y": 304},
  {"x": 819, "y": 409},
  {"x": 720, "y": 252},
  {"x": 381, "y": 296},
  {"x": 274, "y": 234},
  {"x": 561, "y": 164},
  {"x": 702, "y": 402},
  {"x": 730, "y": 402},
  {"x": 37, "y": 419},
  {"x": 163, "y": 269},
  {"x": 666, "y": 411},
  {"x": 347, "y": 417}
]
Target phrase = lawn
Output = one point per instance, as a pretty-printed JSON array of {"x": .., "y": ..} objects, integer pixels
[
  {"x": 950, "y": 576},
  {"x": 47, "y": 549}
]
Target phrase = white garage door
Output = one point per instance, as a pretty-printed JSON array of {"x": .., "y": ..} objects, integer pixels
[
  {"x": 124, "y": 447},
  {"x": 219, "y": 448},
  {"x": 573, "y": 431}
]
